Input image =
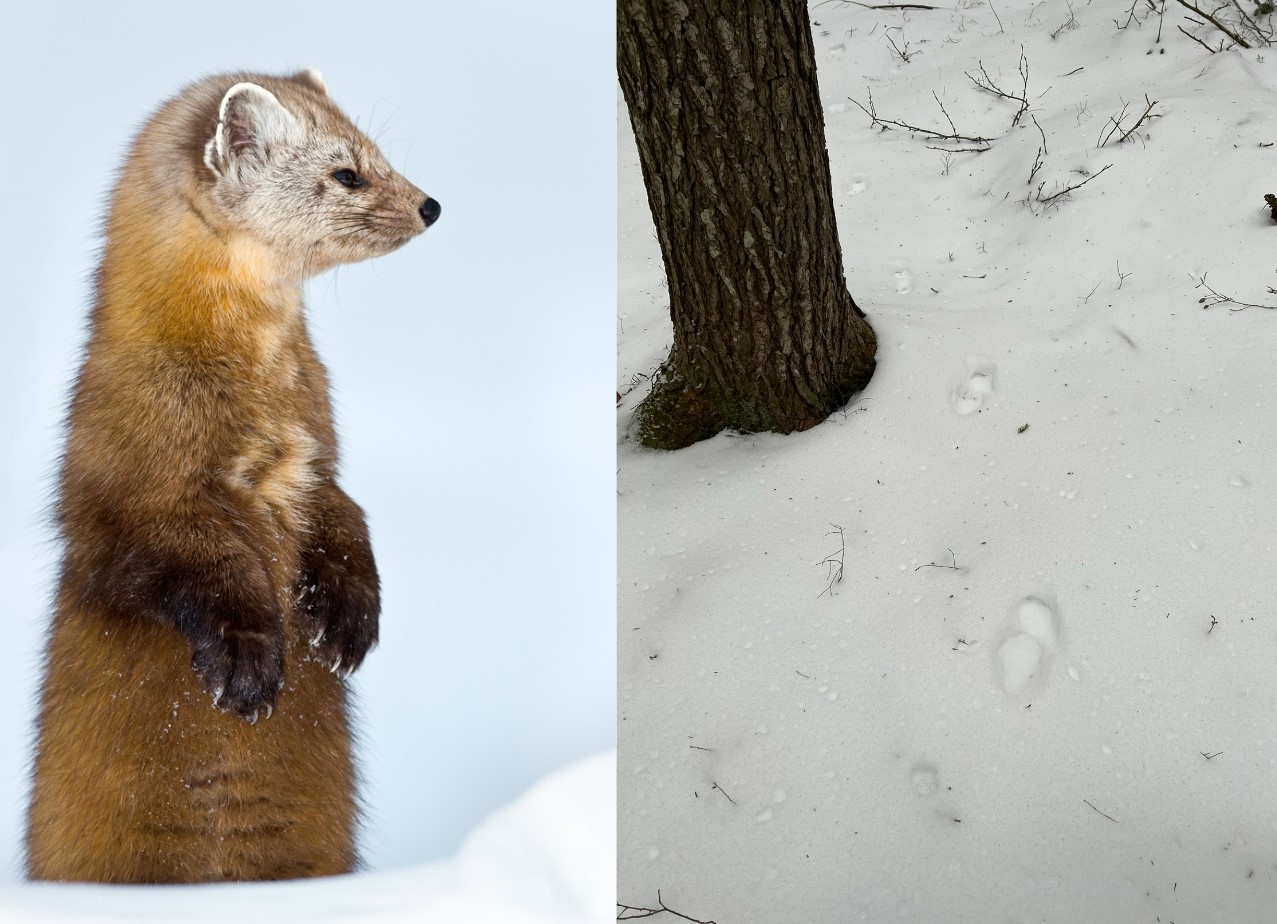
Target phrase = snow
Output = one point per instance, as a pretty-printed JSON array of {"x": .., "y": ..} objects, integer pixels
[
  {"x": 1051, "y": 645},
  {"x": 1020, "y": 658},
  {"x": 472, "y": 383}
]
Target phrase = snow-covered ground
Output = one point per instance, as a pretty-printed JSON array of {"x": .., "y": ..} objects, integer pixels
[
  {"x": 472, "y": 378},
  {"x": 1044, "y": 689}
]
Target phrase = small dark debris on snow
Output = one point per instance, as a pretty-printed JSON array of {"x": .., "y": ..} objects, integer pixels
[
  {"x": 1272, "y": 204},
  {"x": 1022, "y": 429}
]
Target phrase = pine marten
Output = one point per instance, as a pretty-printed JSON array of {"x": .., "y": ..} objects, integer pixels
[{"x": 217, "y": 586}]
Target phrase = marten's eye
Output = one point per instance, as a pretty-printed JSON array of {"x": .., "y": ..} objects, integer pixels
[{"x": 348, "y": 178}]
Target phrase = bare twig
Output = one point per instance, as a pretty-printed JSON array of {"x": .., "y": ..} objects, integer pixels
[
  {"x": 952, "y": 567},
  {"x": 833, "y": 564},
  {"x": 724, "y": 792},
  {"x": 1237, "y": 39},
  {"x": 932, "y": 147},
  {"x": 985, "y": 82},
  {"x": 903, "y": 54},
  {"x": 1113, "y": 124},
  {"x": 880, "y": 6},
  {"x": 1069, "y": 24},
  {"x": 1121, "y": 276},
  {"x": 997, "y": 17},
  {"x": 634, "y": 912},
  {"x": 1109, "y": 817},
  {"x": 1038, "y": 160},
  {"x": 1044, "y": 200},
  {"x": 636, "y": 380},
  {"x": 1200, "y": 42},
  {"x": 1117, "y": 122},
  {"x": 1210, "y": 756},
  {"x": 1249, "y": 26},
  {"x": 1130, "y": 16},
  {"x": 1214, "y": 298},
  {"x": 951, "y": 135}
]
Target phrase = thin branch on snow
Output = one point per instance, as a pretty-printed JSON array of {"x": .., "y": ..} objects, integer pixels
[
  {"x": 1218, "y": 298},
  {"x": 1068, "y": 24},
  {"x": 903, "y": 54},
  {"x": 997, "y": 17},
  {"x": 1237, "y": 39},
  {"x": 932, "y": 147},
  {"x": 1046, "y": 200},
  {"x": 880, "y": 6},
  {"x": 634, "y": 912},
  {"x": 985, "y": 82},
  {"x": 1200, "y": 42},
  {"x": 833, "y": 563},
  {"x": 1116, "y": 122},
  {"x": 952, "y": 567},
  {"x": 1038, "y": 159},
  {"x": 724, "y": 792},
  {"x": 1109, "y": 817},
  {"x": 951, "y": 135}
]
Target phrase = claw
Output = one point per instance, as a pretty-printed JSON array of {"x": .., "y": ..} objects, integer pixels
[
  {"x": 253, "y": 720},
  {"x": 314, "y": 642},
  {"x": 337, "y": 665},
  {"x": 269, "y": 710}
]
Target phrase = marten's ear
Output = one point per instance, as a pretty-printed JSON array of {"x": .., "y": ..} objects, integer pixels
[
  {"x": 251, "y": 123},
  {"x": 313, "y": 79}
]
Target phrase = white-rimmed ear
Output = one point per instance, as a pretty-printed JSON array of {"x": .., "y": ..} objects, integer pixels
[
  {"x": 313, "y": 79},
  {"x": 251, "y": 123}
]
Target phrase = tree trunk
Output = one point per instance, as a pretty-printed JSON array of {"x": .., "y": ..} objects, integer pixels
[{"x": 725, "y": 109}]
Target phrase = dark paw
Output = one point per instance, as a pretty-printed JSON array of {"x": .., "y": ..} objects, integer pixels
[
  {"x": 341, "y": 602},
  {"x": 243, "y": 671}
]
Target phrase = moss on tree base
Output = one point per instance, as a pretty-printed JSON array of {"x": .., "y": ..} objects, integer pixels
[{"x": 675, "y": 415}]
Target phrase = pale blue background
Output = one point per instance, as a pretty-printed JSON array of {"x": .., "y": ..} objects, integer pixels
[{"x": 473, "y": 371}]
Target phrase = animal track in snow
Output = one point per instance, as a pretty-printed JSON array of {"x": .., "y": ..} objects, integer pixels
[
  {"x": 925, "y": 779},
  {"x": 904, "y": 279},
  {"x": 857, "y": 185},
  {"x": 974, "y": 389},
  {"x": 1027, "y": 651}
]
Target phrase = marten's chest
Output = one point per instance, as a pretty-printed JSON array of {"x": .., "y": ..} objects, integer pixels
[
  {"x": 276, "y": 459},
  {"x": 274, "y": 467}
]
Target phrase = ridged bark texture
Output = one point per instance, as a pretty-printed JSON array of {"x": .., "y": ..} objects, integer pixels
[{"x": 725, "y": 108}]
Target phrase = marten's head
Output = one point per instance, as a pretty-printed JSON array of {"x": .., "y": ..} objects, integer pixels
[{"x": 273, "y": 160}]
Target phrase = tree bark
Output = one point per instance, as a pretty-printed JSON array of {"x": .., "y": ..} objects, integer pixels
[{"x": 725, "y": 108}]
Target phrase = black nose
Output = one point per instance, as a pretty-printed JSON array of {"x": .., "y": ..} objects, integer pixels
[{"x": 429, "y": 211}]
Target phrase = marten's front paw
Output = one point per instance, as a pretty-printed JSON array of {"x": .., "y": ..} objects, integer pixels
[
  {"x": 243, "y": 670},
  {"x": 340, "y": 597}
]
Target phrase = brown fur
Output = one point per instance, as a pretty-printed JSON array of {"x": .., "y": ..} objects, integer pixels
[{"x": 210, "y": 558}]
